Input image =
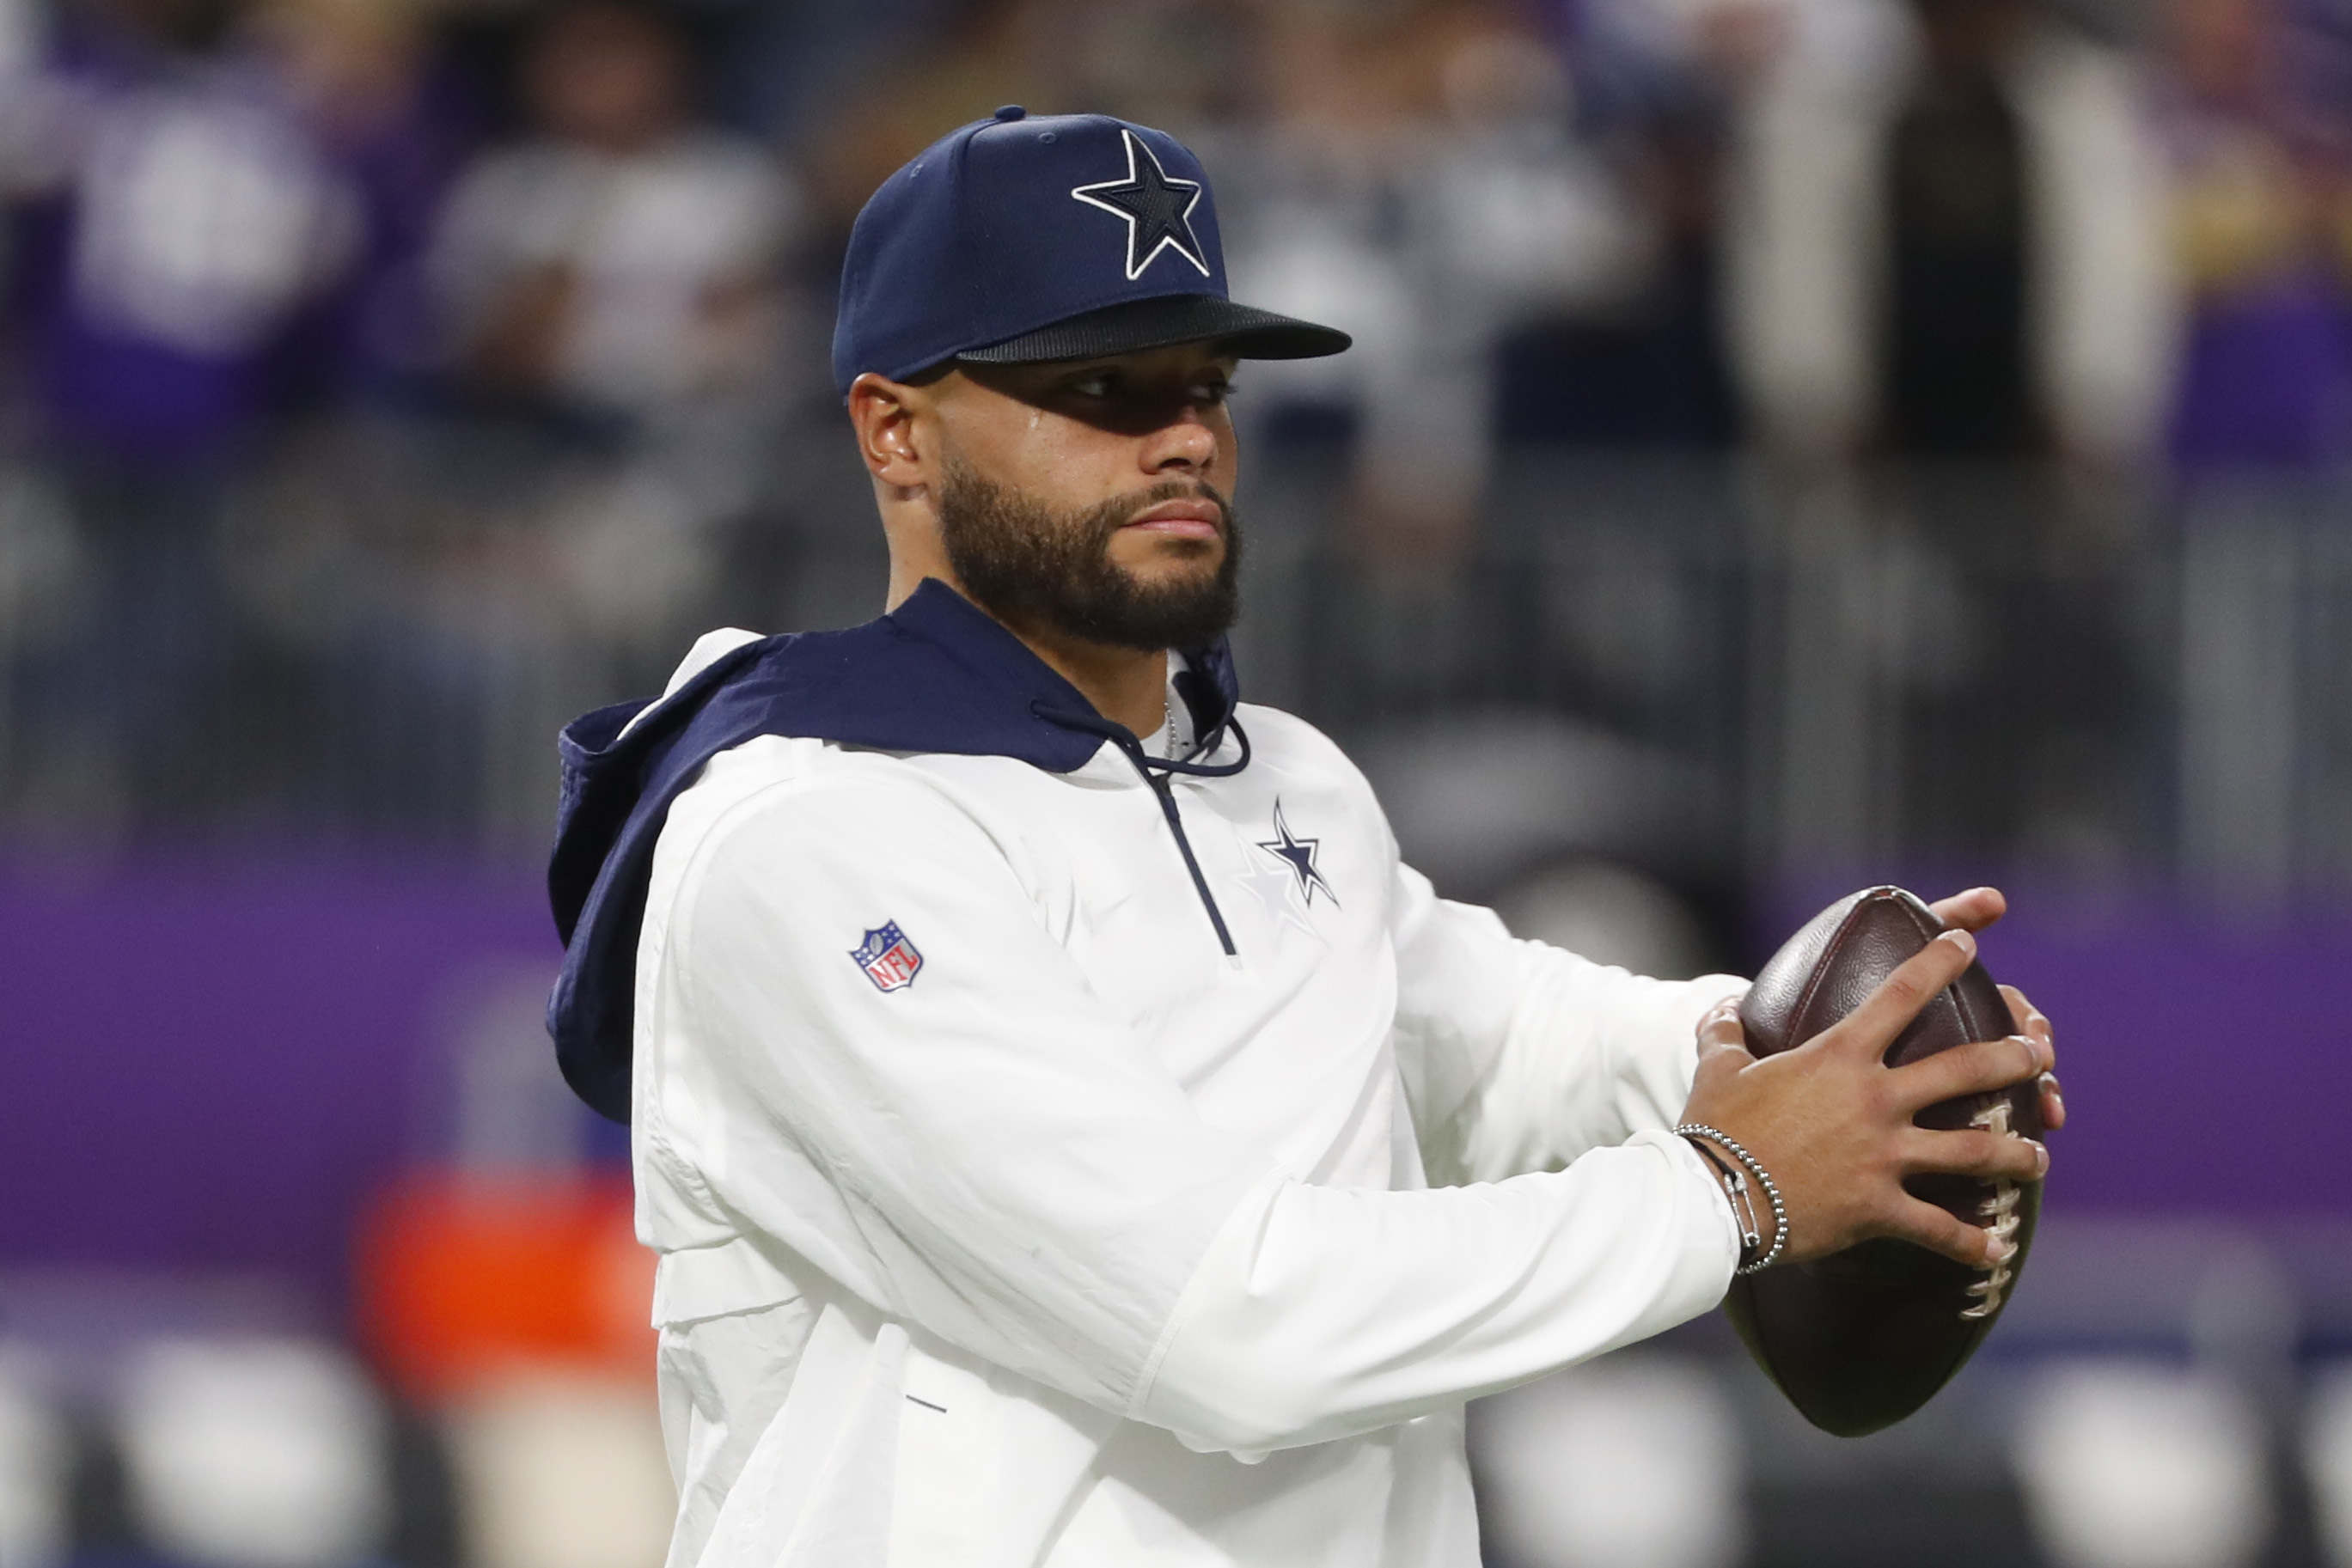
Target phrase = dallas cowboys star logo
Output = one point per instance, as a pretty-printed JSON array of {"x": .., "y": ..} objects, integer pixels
[
  {"x": 1299, "y": 855},
  {"x": 1158, "y": 210}
]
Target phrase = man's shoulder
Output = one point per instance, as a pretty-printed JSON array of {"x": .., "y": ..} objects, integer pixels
[
  {"x": 831, "y": 822},
  {"x": 1279, "y": 738},
  {"x": 818, "y": 785},
  {"x": 1279, "y": 728},
  {"x": 785, "y": 798}
]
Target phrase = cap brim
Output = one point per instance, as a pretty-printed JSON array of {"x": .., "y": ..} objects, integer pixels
[{"x": 1138, "y": 324}]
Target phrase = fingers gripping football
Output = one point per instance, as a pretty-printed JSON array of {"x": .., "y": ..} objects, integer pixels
[
  {"x": 1986, "y": 1156},
  {"x": 1870, "y": 1029},
  {"x": 1833, "y": 1124},
  {"x": 2033, "y": 1026},
  {"x": 1974, "y": 1069},
  {"x": 1974, "y": 910},
  {"x": 1938, "y": 1231}
]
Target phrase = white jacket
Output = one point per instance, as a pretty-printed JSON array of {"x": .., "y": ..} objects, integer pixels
[{"x": 1089, "y": 1243}]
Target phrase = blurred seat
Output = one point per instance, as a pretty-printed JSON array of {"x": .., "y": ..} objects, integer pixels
[
  {"x": 1628, "y": 1462},
  {"x": 1477, "y": 798},
  {"x": 2327, "y": 1460},
  {"x": 2141, "y": 1464},
  {"x": 559, "y": 1469},
  {"x": 35, "y": 1461},
  {"x": 1608, "y": 914},
  {"x": 462, "y": 1279},
  {"x": 515, "y": 1309},
  {"x": 265, "y": 1453}
]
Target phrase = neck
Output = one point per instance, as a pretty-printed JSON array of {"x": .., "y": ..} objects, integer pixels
[{"x": 1126, "y": 686}]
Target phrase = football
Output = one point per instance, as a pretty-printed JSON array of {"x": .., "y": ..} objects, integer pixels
[{"x": 1861, "y": 1339}]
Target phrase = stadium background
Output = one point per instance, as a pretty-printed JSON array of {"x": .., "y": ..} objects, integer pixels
[{"x": 1790, "y": 444}]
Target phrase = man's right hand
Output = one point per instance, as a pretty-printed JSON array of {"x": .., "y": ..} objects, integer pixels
[{"x": 1832, "y": 1123}]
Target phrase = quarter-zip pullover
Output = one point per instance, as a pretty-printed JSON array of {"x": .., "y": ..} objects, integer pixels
[{"x": 1011, "y": 1212}]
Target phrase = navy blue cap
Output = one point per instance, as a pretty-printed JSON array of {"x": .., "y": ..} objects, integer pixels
[{"x": 1013, "y": 240}]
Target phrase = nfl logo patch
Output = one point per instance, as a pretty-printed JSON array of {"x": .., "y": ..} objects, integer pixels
[{"x": 888, "y": 959}]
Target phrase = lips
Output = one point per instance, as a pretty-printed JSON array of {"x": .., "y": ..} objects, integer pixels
[{"x": 1184, "y": 519}]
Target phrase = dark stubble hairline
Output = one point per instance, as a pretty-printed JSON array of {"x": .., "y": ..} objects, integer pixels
[{"x": 1039, "y": 570}]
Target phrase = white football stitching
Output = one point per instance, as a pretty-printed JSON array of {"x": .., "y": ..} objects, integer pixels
[{"x": 2001, "y": 1210}]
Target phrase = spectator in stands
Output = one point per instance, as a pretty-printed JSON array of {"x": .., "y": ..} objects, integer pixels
[
  {"x": 1950, "y": 275},
  {"x": 954, "y": 64},
  {"x": 1951, "y": 237},
  {"x": 1640, "y": 365},
  {"x": 176, "y": 221},
  {"x": 622, "y": 260},
  {"x": 2260, "y": 426},
  {"x": 362, "y": 76},
  {"x": 619, "y": 269},
  {"x": 2261, "y": 195},
  {"x": 1415, "y": 182}
]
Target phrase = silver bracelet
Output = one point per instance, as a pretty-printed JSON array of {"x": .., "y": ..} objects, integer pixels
[
  {"x": 1739, "y": 1193},
  {"x": 1739, "y": 1151}
]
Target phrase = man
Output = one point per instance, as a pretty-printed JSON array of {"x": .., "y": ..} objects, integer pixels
[{"x": 1038, "y": 1063}]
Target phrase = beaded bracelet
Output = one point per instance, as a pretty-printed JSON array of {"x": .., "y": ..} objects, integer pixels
[{"x": 1739, "y": 1151}]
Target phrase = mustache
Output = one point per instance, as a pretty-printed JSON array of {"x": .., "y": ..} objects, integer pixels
[{"x": 1120, "y": 510}]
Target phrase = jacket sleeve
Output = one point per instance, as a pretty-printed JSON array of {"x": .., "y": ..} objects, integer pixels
[
  {"x": 1517, "y": 1056},
  {"x": 992, "y": 1155}
]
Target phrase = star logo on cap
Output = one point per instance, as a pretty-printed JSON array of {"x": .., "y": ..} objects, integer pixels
[{"x": 1158, "y": 210}]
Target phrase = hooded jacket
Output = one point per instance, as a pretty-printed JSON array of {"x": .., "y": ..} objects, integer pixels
[
  {"x": 936, "y": 676},
  {"x": 1038, "y": 1133}
]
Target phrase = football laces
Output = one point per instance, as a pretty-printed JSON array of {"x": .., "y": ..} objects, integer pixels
[{"x": 1999, "y": 1210}]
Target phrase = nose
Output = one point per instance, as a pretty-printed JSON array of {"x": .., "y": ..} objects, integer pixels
[{"x": 1186, "y": 445}]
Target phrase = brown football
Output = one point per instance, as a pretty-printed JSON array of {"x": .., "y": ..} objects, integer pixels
[{"x": 1863, "y": 1338}]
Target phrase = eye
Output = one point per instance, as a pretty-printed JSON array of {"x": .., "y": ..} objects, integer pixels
[
  {"x": 1096, "y": 384},
  {"x": 1216, "y": 390}
]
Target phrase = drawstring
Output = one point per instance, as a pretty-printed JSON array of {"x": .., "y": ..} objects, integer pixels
[
  {"x": 1125, "y": 739},
  {"x": 1207, "y": 747},
  {"x": 1155, "y": 771}
]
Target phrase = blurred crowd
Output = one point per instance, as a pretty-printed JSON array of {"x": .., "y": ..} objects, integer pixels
[
  {"x": 385, "y": 377},
  {"x": 1783, "y": 435}
]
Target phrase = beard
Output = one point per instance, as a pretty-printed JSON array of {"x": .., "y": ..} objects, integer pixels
[{"x": 1037, "y": 570}]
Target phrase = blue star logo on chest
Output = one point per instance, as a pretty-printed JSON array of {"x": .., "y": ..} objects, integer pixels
[
  {"x": 1283, "y": 874},
  {"x": 1158, "y": 208},
  {"x": 1299, "y": 854}
]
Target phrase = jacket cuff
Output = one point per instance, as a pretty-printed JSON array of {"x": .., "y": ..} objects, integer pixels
[{"x": 1714, "y": 1240}]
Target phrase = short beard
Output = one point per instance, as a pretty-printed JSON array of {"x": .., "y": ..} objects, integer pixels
[{"x": 1041, "y": 571}]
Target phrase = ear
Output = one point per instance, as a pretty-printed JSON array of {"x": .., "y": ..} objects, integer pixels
[{"x": 891, "y": 437}]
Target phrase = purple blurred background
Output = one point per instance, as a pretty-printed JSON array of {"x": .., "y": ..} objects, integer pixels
[{"x": 220, "y": 1061}]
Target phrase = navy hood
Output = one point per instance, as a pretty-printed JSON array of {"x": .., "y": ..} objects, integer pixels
[{"x": 935, "y": 674}]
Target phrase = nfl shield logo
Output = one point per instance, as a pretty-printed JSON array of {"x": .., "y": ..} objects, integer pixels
[{"x": 888, "y": 959}]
